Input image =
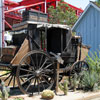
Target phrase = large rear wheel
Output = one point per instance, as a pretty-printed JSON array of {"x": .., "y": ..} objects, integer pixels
[{"x": 35, "y": 72}]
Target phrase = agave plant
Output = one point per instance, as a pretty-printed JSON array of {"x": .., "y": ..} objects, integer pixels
[
  {"x": 90, "y": 81},
  {"x": 94, "y": 62}
]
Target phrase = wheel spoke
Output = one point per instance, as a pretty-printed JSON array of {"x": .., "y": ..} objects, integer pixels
[
  {"x": 41, "y": 60},
  {"x": 4, "y": 74},
  {"x": 25, "y": 75},
  {"x": 45, "y": 80},
  {"x": 28, "y": 86},
  {"x": 34, "y": 83},
  {"x": 14, "y": 82},
  {"x": 26, "y": 70},
  {"x": 10, "y": 80},
  {"x": 38, "y": 86},
  {"x": 33, "y": 62},
  {"x": 48, "y": 66},
  {"x": 28, "y": 79},
  {"x": 44, "y": 63},
  {"x": 46, "y": 75},
  {"x": 42, "y": 83},
  {"x": 28, "y": 65},
  {"x": 48, "y": 70},
  {"x": 22, "y": 80},
  {"x": 7, "y": 77},
  {"x": 36, "y": 61}
]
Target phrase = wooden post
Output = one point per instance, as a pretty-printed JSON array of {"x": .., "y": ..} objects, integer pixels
[{"x": 57, "y": 78}]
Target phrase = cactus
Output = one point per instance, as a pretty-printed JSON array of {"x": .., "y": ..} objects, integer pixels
[
  {"x": 47, "y": 94},
  {"x": 64, "y": 86},
  {"x": 4, "y": 91},
  {"x": 75, "y": 81}
]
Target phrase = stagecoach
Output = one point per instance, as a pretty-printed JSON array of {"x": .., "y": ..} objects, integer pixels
[{"x": 41, "y": 54}]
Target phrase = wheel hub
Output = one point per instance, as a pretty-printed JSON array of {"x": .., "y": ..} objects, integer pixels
[{"x": 37, "y": 73}]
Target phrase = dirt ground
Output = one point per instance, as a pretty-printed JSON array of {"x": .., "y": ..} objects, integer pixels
[{"x": 77, "y": 95}]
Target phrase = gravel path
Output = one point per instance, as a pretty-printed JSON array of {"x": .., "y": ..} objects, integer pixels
[
  {"x": 78, "y": 95},
  {"x": 96, "y": 99}
]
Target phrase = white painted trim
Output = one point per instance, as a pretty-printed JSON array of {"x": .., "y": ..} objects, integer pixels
[
  {"x": 86, "y": 9},
  {"x": 45, "y": 6},
  {"x": 95, "y": 6},
  {"x": 1, "y": 22}
]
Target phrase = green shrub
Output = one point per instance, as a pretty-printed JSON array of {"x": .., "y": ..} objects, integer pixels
[
  {"x": 90, "y": 81},
  {"x": 94, "y": 62}
]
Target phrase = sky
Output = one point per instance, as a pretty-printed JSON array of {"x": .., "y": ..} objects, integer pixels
[{"x": 78, "y": 3}]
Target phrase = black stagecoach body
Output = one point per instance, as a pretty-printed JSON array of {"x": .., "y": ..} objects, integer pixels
[{"x": 38, "y": 47}]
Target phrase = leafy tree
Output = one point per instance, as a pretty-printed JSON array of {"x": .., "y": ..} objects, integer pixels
[
  {"x": 98, "y": 2},
  {"x": 63, "y": 14}
]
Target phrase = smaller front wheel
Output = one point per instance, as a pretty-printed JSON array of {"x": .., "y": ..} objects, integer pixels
[
  {"x": 77, "y": 73},
  {"x": 77, "y": 68}
]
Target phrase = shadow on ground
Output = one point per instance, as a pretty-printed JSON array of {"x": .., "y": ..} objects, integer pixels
[{"x": 15, "y": 91}]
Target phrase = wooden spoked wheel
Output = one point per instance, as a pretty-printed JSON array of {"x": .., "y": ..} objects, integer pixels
[
  {"x": 78, "y": 67},
  {"x": 8, "y": 75},
  {"x": 35, "y": 72}
]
